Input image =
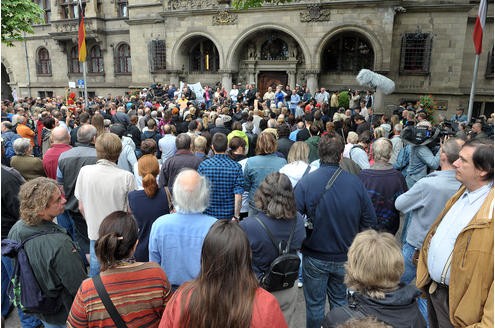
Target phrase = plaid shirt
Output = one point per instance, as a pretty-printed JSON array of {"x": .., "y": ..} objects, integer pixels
[{"x": 226, "y": 180}]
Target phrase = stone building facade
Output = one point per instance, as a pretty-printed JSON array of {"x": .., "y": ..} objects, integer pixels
[{"x": 425, "y": 47}]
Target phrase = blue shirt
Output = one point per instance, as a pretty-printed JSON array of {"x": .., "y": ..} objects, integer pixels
[
  {"x": 226, "y": 180},
  {"x": 175, "y": 243}
]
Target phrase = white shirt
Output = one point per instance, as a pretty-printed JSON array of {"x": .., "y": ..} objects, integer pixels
[
  {"x": 102, "y": 188},
  {"x": 454, "y": 221},
  {"x": 295, "y": 171}
]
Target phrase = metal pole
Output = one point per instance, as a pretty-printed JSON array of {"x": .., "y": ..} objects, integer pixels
[
  {"x": 473, "y": 87},
  {"x": 27, "y": 66},
  {"x": 85, "y": 86}
]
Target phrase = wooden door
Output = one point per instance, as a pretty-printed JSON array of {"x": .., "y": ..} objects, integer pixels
[{"x": 271, "y": 79}]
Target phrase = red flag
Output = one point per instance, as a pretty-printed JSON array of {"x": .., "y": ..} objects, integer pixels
[
  {"x": 81, "y": 36},
  {"x": 479, "y": 26}
]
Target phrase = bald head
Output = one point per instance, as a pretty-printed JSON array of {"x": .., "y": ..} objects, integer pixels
[{"x": 60, "y": 135}]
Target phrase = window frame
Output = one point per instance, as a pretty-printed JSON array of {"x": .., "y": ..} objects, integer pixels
[
  {"x": 74, "y": 60},
  {"x": 46, "y": 6},
  {"x": 202, "y": 48},
  {"x": 489, "y": 65},
  {"x": 356, "y": 59},
  {"x": 69, "y": 9},
  {"x": 122, "y": 8},
  {"x": 423, "y": 67},
  {"x": 43, "y": 64},
  {"x": 123, "y": 67},
  {"x": 95, "y": 59},
  {"x": 157, "y": 55}
]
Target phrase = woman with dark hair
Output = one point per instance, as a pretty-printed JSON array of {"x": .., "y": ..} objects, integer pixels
[
  {"x": 226, "y": 292},
  {"x": 46, "y": 132},
  {"x": 139, "y": 291},
  {"x": 149, "y": 204},
  {"x": 275, "y": 202}
]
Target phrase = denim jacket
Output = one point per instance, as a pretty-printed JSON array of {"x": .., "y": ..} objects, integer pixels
[
  {"x": 257, "y": 168},
  {"x": 420, "y": 159}
]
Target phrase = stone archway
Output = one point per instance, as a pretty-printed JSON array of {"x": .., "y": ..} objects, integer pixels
[
  {"x": 266, "y": 53},
  {"x": 6, "y": 88}
]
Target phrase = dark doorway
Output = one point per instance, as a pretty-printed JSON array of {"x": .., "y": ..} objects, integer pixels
[
  {"x": 271, "y": 79},
  {"x": 6, "y": 89}
]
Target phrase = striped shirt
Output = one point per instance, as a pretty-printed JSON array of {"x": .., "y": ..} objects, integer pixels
[{"x": 139, "y": 293}]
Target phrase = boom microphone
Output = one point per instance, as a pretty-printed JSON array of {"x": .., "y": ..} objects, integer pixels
[{"x": 374, "y": 80}]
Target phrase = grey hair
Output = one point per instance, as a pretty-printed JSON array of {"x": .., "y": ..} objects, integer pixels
[
  {"x": 249, "y": 126},
  {"x": 382, "y": 149},
  {"x": 195, "y": 201},
  {"x": 272, "y": 123},
  {"x": 451, "y": 148},
  {"x": 352, "y": 137},
  {"x": 86, "y": 133},
  {"x": 22, "y": 146},
  {"x": 398, "y": 127}
]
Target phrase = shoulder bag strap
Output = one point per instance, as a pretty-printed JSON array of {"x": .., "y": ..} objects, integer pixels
[
  {"x": 268, "y": 232},
  {"x": 107, "y": 302},
  {"x": 307, "y": 170},
  {"x": 333, "y": 178},
  {"x": 287, "y": 247}
]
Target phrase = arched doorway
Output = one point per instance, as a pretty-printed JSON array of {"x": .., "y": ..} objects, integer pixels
[
  {"x": 268, "y": 57},
  {"x": 6, "y": 89},
  {"x": 347, "y": 52}
]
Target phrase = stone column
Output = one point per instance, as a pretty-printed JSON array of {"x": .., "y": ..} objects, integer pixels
[
  {"x": 226, "y": 79},
  {"x": 312, "y": 80},
  {"x": 174, "y": 77},
  {"x": 251, "y": 77},
  {"x": 292, "y": 78}
]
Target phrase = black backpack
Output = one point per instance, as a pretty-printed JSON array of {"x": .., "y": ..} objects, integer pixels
[
  {"x": 24, "y": 290},
  {"x": 284, "y": 269}
]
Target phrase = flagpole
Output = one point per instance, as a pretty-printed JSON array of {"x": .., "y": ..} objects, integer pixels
[
  {"x": 85, "y": 87},
  {"x": 473, "y": 87}
]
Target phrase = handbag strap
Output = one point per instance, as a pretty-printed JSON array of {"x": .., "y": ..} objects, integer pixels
[
  {"x": 107, "y": 302},
  {"x": 287, "y": 247}
]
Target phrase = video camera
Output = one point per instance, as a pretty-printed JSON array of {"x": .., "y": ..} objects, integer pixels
[{"x": 419, "y": 135}]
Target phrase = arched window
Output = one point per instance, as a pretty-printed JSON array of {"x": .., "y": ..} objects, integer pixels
[
  {"x": 204, "y": 57},
  {"x": 95, "y": 60},
  {"x": 74, "y": 64},
  {"x": 274, "y": 49},
  {"x": 347, "y": 52},
  {"x": 43, "y": 63},
  {"x": 123, "y": 59}
]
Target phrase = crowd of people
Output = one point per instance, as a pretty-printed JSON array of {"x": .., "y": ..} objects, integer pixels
[{"x": 168, "y": 208}]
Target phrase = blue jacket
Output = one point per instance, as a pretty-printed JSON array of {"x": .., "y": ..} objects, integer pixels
[
  {"x": 257, "y": 168},
  {"x": 341, "y": 213},
  {"x": 425, "y": 200},
  {"x": 420, "y": 159},
  {"x": 263, "y": 250}
]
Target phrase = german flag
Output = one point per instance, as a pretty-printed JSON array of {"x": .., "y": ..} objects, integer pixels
[{"x": 81, "y": 36}]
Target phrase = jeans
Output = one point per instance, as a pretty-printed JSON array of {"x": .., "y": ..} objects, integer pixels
[
  {"x": 322, "y": 279},
  {"x": 52, "y": 325},
  {"x": 300, "y": 267},
  {"x": 409, "y": 275},
  {"x": 27, "y": 321},
  {"x": 94, "y": 264},
  {"x": 66, "y": 221},
  {"x": 405, "y": 226}
]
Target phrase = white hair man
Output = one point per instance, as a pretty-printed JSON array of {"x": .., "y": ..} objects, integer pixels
[{"x": 176, "y": 239}]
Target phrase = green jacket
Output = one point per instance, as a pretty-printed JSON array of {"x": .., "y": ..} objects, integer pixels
[{"x": 55, "y": 262}]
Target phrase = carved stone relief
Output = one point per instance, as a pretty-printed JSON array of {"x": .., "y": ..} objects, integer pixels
[
  {"x": 225, "y": 18},
  {"x": 72, "y": 26},
  {"x": 315, "y": 14},
  {"x": 190, "y": 4}
]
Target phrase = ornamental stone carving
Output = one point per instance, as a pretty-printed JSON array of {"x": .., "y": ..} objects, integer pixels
[
  {"x": 72, "y": 26},
  {"x": 225, "y": 18},
  {"x": 190, "y": 4},
  {"x": 315, "y": 14}
]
